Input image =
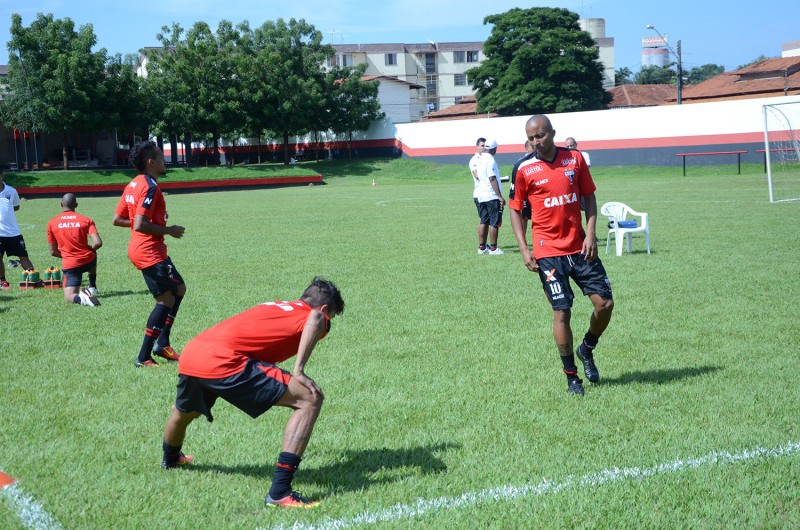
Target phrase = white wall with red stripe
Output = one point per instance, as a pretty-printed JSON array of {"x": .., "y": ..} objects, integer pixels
[{"x": 648, "y": 135}]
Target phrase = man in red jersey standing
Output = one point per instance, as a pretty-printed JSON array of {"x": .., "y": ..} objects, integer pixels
[
  {"x": 553, "y": 181},
  {"x": 235, "y": 360},
  {"x": 142, "y": 208},
  {"x": 68, "y": 237}
]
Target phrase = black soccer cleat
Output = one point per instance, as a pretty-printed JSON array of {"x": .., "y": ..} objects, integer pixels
[
  {"x": 589, "y": 368},
  {"x": 575, "y": 387}
]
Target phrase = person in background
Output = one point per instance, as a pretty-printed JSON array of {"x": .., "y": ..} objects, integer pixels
[
  {"x": 474, "y": 162},
  {"x": 490, "y": 201},
  {"x": 571, "y": 144},
  {"x": 526, "y": 208},
  {"x": 68, "y": 236},
  {"x": 11, "y": 240}
]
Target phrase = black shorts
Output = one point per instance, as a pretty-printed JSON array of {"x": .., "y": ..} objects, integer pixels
[
  {"x": 162, "y": 277},
  {"x": 74, "y": 276},
  {"x": 490, "y": 212},
  {"x": 555, "y": 273},
  {"x": 13, "y": 246},
  {"x": 254, "y": 390}
]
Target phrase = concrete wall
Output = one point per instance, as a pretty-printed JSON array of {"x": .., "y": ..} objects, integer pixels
[{"x": 640, "y": 136}]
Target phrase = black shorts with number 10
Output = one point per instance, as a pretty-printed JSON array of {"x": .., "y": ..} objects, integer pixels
[{"x": 556, "y": 271}]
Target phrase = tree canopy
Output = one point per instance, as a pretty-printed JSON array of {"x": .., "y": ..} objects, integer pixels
[
  {"x": 538, "y": 60},
  {"x": 623, "y": 76},
  {"x": 56, "y": 83},
  {"x": 704, "y": 72},
  {"x": 654, "y": 75},
  {"x": 200, "y": 84}
]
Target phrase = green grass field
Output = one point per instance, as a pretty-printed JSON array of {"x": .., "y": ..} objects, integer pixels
[{"x": 445, "y": 403}]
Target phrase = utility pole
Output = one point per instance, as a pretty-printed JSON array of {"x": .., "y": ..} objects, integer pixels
[
  {"x": 680, "y": 73},
  {"x": 677, "y": 57}
]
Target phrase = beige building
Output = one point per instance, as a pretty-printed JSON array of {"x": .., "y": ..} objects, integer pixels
[
  {"x": 440, "y": 67},
  {"x": 596, "y": 27}
]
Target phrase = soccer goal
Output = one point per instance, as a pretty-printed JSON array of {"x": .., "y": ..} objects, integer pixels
[{"x": 782, "y": 150}]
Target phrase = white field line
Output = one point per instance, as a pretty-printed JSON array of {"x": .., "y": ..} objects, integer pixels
[
  {"x": 30, "y": 513},
  {"x": 423, "y": 506}
]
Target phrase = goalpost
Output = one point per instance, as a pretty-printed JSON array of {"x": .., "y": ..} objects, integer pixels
[{"x": 782, "y": 150}]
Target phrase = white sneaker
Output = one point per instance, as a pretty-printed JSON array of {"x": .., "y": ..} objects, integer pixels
[
  {"x": 484, "y": 251},
  {"x": 88, "y": 299},
  {"x": 93, "y": 291},
  {"x": 496, "y": 252}
]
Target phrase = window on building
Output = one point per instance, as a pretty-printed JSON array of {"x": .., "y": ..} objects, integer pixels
[
  {"x": 430, "y": 63},
  {"x": 390, "y": 59},
  {"x": 460, "y": 80},
  {"x": 472, "y": 57},
  {"x": 332, "y": 61},
  {"x": 459, "y": 57},
  {"x": 347, "y": 59},
  {"x": 431, "y": 84}
]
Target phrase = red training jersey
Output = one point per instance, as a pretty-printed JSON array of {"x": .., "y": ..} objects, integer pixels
[
  {"x": 70, "y": 231},
  {"x": 269, "y": 332},
  {"x": 554, "y": 190},
  {"x": 142, "y": 196}
]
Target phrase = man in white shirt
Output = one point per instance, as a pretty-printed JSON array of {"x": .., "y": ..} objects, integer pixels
[
  {"x": 473, "y": 166},
  {"x": 11, "y": 241},
  {"x": 570, "y": 143},
  {"x": 489, "y": 200}
]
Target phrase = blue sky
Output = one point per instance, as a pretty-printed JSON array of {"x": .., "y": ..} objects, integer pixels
[{"x": 711, "y": 31}]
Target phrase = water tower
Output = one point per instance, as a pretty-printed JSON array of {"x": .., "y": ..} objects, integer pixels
[{"x": 655, "y": 51}]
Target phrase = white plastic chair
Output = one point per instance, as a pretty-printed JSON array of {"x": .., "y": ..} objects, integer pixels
[{"x": 616, "y": 212}]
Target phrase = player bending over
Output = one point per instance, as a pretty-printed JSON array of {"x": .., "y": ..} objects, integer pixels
[{"x": 235, "y": 360}]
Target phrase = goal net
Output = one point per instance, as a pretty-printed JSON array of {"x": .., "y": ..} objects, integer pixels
[{"x": 782, "y": 150}]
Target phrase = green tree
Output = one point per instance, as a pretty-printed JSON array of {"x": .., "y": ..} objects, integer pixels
[
  {"x": 256, "y": 84},
  {"x": 654, "y": 75},
  {"x": 754, "y": 61},
  {"x": 196, "y": 83},
  {"x": 168, "y": 87},
  {"x": 538, "y": 60},
  {"x": 290, "y": 58},
  {"x": 352, "y": 103},
  {"x": 56, "y": 84},
  {"x": 126, "y": 105},
  {"x": 701, "y": 73},
  {"x": 623, "y": 76}
]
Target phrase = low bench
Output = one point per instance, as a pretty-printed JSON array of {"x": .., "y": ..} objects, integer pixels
[
  {"x": 737, "y": 153},
  {"x": 777, "y": 150}
]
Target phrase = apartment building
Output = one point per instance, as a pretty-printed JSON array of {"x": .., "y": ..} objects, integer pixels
[{"x": 439, "y": 68}]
